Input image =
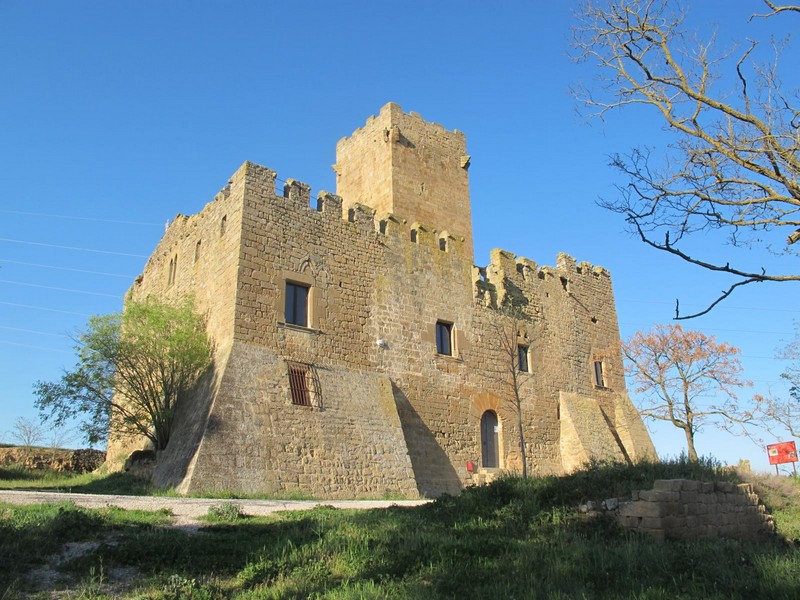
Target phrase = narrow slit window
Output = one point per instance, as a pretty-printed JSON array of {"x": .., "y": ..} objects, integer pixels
[
  {"x": 223, "y": 225},
  {"x": 444, "y": 338},
  {"x": 173, "y": 268},
  {"x": 197, "y": 251},
  {"x": 296, "y": 304},
  {"x": 413, "y": 236},
  {"x": 599, "y": 379},
  {"x": 522, "y": 359},
  {"x": 443, "y": 244}
]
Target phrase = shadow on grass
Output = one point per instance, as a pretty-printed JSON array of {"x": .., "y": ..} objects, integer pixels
[
  {"x": 114, "y": 483},
  {"x": 16, "y": 472},
  {"x": 512, "y": 538}
]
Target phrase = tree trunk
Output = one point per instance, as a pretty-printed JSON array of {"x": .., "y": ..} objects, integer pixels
[
  {"x": 690, "y": 445},
  {"x": 521, "y": 438}
]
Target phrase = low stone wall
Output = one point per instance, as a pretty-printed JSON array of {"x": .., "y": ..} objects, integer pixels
[
  {"x": 69, "y": 461},
  {"x": 683, "y": 509}
]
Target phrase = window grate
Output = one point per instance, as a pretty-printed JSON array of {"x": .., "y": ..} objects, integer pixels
[{"x": 304, "y": 385}]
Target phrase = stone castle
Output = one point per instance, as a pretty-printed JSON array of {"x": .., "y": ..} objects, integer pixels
[{"x": 359, "y": 351}]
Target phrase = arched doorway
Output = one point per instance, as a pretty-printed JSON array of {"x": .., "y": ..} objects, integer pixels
[{"x": 490, "y": 448}]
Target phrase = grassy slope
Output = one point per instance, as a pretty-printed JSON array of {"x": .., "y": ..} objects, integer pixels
[{"x": 510, "y": 539}]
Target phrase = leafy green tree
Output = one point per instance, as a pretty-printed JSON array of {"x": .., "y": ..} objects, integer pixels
[{"x": 133, "y": 368}]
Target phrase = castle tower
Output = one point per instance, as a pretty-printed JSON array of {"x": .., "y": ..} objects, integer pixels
[{"x": 401, "y": 164}]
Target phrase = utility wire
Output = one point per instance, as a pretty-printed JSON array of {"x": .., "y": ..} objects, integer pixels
[
  {"x": 711, "y": 329},
  {"x": 56, "y": 310},
  {"x": 13, "y": 241},
  {"x": 27, "y": 264},
  {"x": 702, "y": 305},
  {"x": 49, "y": 287},
  {"x": 36, "y": 347},
  {"x": 33, "y": 331},
  {"x": 96, "y": 219}
]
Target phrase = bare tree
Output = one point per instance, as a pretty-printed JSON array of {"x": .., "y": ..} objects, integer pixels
[
  {"x": 785, "y": 411},
  {"x": 688, "y": 379},
  {"x": 734, "y": 164},
  {"x": 508, "y": 330},
  {"x": 27, "y": 433}
]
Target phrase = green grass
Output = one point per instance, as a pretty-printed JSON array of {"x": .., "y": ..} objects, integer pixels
[
  {"x": 17, "y": 478},
  {"x": 510, "y": 539}
]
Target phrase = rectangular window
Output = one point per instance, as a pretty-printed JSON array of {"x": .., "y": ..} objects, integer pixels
[
  {"x": 297, "y": 304},
  {"x": 444, "y": 338},
  {"x": 304, "y": 385},
  {"x": 598, "y": 374},
  {"x": 522, "y": 358}
]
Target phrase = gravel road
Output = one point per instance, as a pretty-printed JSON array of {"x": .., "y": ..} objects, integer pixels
[{"x": 188, "y": 510}]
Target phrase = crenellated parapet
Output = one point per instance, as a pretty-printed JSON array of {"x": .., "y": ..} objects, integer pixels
[
  {"x": 508, "y": 277},
  {"x": 262, "y": 183}
]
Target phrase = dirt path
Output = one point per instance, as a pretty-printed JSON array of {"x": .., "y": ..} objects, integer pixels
[{"x": 187, "y": 510}]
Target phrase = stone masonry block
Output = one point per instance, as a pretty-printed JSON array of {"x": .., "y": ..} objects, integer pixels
[
  {"x": 652, "y": 523},
  {"x": 689, "y": 485},
  {"x": 725, "y": 486},
  {"x": 643, "y": 509},
  {"x": 659, "y": 496},
  {"x": 668, "y": 485}
]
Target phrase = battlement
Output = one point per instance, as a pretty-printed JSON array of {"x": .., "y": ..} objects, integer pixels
[
  {"x": 392, "y": 114},
  {"x": 507, "y": 276},
  {"x": 489, "y": 282},
  {"x": 402, "y": 164}
]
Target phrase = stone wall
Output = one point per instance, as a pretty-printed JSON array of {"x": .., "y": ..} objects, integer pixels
[
  {"x": 682, "y": 508},
  {"x": 199, "y": 256},
  {"x": 62, "y": 461}
]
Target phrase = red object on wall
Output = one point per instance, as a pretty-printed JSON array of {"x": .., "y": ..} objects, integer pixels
[
  {"x": 783, "y": 452},
  {"x": 470, "y": 466}
]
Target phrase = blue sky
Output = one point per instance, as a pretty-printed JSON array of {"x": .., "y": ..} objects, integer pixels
[{"x": 116, "y": 116}]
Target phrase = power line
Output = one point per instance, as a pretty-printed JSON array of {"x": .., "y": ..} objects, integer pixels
[
  {"x": 33, "y": 331},
  {"x": 13, "y": 241},
  {"x": 35, "y": 347},
  {"x": 27, "y": 264},
  {"x": 759, "y": 308},
  {"x": 96, "y": 219},
  {"x": 711, "y": 329},
  {"x": 50, "y": 287},
  {"x": 57, "y": 310}
]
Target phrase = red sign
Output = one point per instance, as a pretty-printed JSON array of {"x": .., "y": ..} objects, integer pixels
[{"x": 783, "y": 452}]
